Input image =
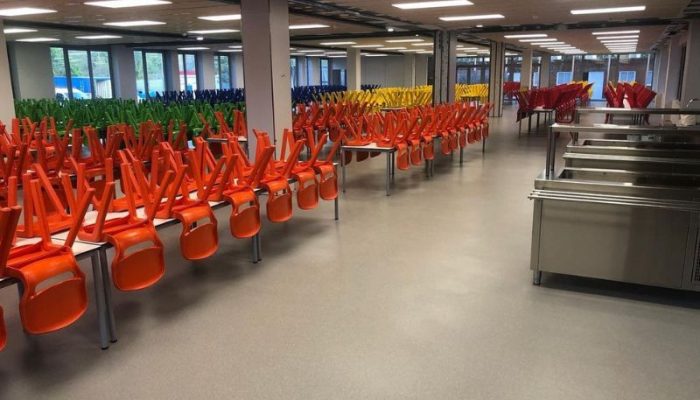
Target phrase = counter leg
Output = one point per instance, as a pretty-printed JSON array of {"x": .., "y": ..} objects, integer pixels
[
  {"x": 549, "y": 154},
  {"x": 538, "y": 123},
  {"x": 258, "y": 242},
  {"x": 254, "y": 249},
  {"x": 536, "y": 277},
  {"x": 107, "y": 285},
  {"x": 100, "y": 300},
  {"x": 342, "y": 167},
  {"x": 461, "y": 155},
  {"x": 388, "y": 174},
  {"x": 336, "y": 206}
]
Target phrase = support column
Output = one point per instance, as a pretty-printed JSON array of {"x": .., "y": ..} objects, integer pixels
[
  {"x": 691, "y": 83},
  {"x": 32, "y": 77},
  {"x": 445, "y": 68},
  {"x": 660, "y": 75},
  {"x": 526, "y": 70},
  {"x": 124, "y": 73},
  {"x": 7, "y": 103},
  {"x": 354, "y": 69},
  {"x": 421, "y": 71},
  {"x": 409, "y": 70},
  {"x": 172, "y": 71},
  {"x": 265, "y": 33},
  {"x": 237, "y": 71},
  {"x": 303, "y": 71},
  {"x": 205, "y": 70},
  {"x": 496, "y": 68},
  {"x": 544, "y": 69},
  {"x": 673, "y": 70},
  {"x": 314, "y": 70}
]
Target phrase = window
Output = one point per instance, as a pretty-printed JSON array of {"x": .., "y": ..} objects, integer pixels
[
  {"x": 187, "y": 63},
  {"x": 325, "y": 72},
  {"x": 650, "y": 78},
  {"x": 222, "y": 71},
  {"x": 563, "y": 77},
  {"x": 150, "y": 73},
  {"x": 293, "y": 71},
  {"x": 81, "y": 74},
  {"x": 627, "y": 76}
]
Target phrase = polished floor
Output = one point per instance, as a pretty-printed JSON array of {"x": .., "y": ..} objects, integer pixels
[{"x": 426, "y": 294}]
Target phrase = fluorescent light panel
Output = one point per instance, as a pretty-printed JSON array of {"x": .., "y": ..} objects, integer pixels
[
  {"x": 368, "y": 46},
  {"x": 98, "y": 37},
  {"x": 38, "y": 39},
  {"x": 422, "y": 44},
  {"x": 311, "y": 51},
  {"x": 127, "y": 3},
  {"x": 18, "y": 30},
  {"x": 16, "y": 12},
  {"x": 608, "y": 10},
  {"x": 374, "y": 55},
  {"x": 471, "y": 17},
  {"x": 338, "y": 43},
  {"x": 618, "y": 37},
  {"x": 230, "y": 51},
  {"x": 616, "y": 32},
  {"x": 238, "y": 46},
  {"x": 212, "y": 31},
  {"x": 404, "y": 40},
  {"x": 525, "y": 36},
  {"x": 193, "y": 48},
  {"x": 308, "y": 26},
  {"x": 219, "y": 18},
  {"x": 537, "y": 40},
  {"x": 134, "y": 23},
  {"x": 393, "y": 48},
  {"x": 432, "y": 4}
]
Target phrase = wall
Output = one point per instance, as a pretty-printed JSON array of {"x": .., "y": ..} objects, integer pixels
[
  {"x": 384, "y": 71},
  {"x": 205, "y": 70},
  {"x": 237, "y": 70},
  {"x": 421, "y": 69},
  {"x": 32, "y": 74}
]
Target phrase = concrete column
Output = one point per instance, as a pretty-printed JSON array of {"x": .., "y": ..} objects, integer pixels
[
  {"x": 124, "y": 72},
  {"x": 314, "y": 70},
  {"x": 675, "y": 50},
  {"x": 660, "y": 75},
  {"x": 691, "y": 83},
  {"x": 526, "y": 70},
  {"x": 7, "y": 104},
  {"x": 445, "y": 59},
  {"x": 265, "y": 33},
  {"x": 237, "y": 71},
  {"x": 496, "y": 68},
  {"x": 421, "y": 69},
  {"x": 172, "y": 71},
  {"x": 303, "y": 72},
  {"x": 409, "y": 70},
  {"x": 354, "y": 69},
  {"x": 544, "y": 69},
  {"x": 205, "y": 70},
  {"x": 32, "y": 74}
]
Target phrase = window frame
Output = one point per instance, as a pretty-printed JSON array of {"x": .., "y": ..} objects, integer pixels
[
  {"x": 166, "y": 69},
  {"x": 320, "y": 69},
  {"x": 89, "y": 50},
  {"x": 184, "y": 55},
  {"x": 217, "y": 57}
]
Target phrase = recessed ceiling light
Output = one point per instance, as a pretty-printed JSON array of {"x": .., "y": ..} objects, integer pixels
[
  {"x": 16, "y": 12},
  {"x": 525, "y": 36},
  {"x": 620, "y": 41},
  {"x": 18, "y": 30},
  {"x": 373, "y": 55},
  {"x": 127, "y": 3},
  {"x": 404, "y": 40},
  {"x": 538, "y": 40},
  {"x": 238, "y": 46},
  {"x": 311, "y": 51},
  {"x": 218, "y": 18},
  {"x": 38, "y": 39},
  {"x": 98, "y": 37},
  {"x": 469, "y": 48},
  {"x": 192, "y": 48},
  {"x": 212, "y": 31},
  {"x": 315, "y": 55},
  {"x": 393, "y": 48},
  {"x": 422, "y": 44},
  {"x": 335, "y": 53},
  {"x": 337, "y": 43},
  {"x": 608, "y": 10},
  {"x": 337, "y": 56},
  {"x": 308, "y": 26},
  {"x": 368, "y": 46},
  {"x": 134, "y": 23},
  {"x": 616, "y": 32},
  {"x": 617, "y": 37},
  {"x": 230, "y": 51},
  {"x": 471, "y": 17},
  {"x": 548, "y": 44},
  {"x": 432, "y": 4},
  {"x": 479, "y": 26}
]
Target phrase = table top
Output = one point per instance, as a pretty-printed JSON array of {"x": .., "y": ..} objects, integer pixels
[{"x": 371, "y": 146}]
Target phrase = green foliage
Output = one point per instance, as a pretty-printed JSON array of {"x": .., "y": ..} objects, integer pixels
[{"x": 100, "y": 113}]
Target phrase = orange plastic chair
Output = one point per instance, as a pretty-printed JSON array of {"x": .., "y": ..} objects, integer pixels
[
  {"x": 44, "y": 310},
  {"x": 279, "y": 200},
  {"x": 3, "y": 331},
  {"x": 8, "y": 224}
]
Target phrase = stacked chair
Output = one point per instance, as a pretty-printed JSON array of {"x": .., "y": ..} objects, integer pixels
[{"x": 636, "y": 95}]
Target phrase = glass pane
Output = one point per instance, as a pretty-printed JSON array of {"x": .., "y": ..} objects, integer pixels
[
  {"x": 190, "y": 73},
  {"x": 324, "y": 72},
  {"x": 140, "y": 82},
  {"x": 293, "y": 71},
  {"x": 79, "y": 74},
  {"x": 217, "y": 83},
  {"x": 181, "y": 69},
  {"x": 101, "y": 78},
  {"x": 156, "y": 73},
  {"x": 59, "y": 73},
  {"x": 225, "y": 72}
]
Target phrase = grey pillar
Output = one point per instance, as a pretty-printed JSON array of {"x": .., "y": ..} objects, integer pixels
[
  {"x": 7, "y": 104},
  {"x": 691, "y": 83},
  {"x": 409, "y": 70},
  {"x": 32, "y": 76},
  {"x": 172, "y": 73},
  {"x": 496, "y": 68},
  {"x": 526, "y": 70},
  {"x": 237, "y": 71},
  {"x": 124, "y": 72},
  {"x": 314, "y": 70},
  {"x": 265, "y": 32},
  {"x": 544, "y": 69},
  {"x": 205, "y": 70},
  {"x": 354, "y": 69},
  {"x": 673, "y": 70},
  {"x": 445, "y": 68}
]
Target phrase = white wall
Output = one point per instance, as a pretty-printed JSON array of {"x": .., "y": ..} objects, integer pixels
[
  {"x": 237, "y": 70},
  {"x": 384, "y": 71},
  {"x": 421, "y": 69},
  {"x": 32, "y": 74}
]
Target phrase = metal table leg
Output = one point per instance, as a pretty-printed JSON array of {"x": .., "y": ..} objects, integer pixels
[
  {"x": 393, "y": 164},
  {"x": 549, "y": 154},
  {"x": 254, "y": 249},
  {"x": 100, "y": 300},
  {"x": 529, "y": 123},
  {"x": 258, "y": 242},
  {"x": 388, "y": 173},
  {"x": 461, "y": 155},
  {"x": 536, "y": 277},
  {"x": 107, "y": 285},
  {"x": 336, "y": 206},
  {"x": 538, "y": 123}
]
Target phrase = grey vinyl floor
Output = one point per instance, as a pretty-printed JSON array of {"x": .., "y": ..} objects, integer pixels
[{"x": 426, "y": 294}]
